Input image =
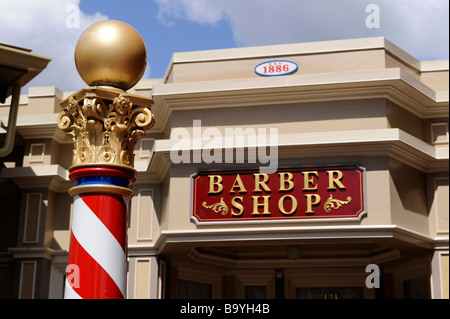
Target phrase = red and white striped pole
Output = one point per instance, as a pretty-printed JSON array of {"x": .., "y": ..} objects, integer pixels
[
  {"x": 98, "y": 240},
  {"x": 104, "y": 122}
]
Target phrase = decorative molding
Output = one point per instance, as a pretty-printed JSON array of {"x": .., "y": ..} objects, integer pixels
[
  {"x": 22, "y": 281},
  {"x": 31, "y": 155},
  {"x": 332, "y": 203},
  {"x": 393, "y": 84},
  {"x": 56, "y": 256},
  {"x": 219, "y": 207},
  {"x": 145, "y": 151},
  {"x": 348, "y": 232},
  {"x": 151, "y": 286},
  {"x": 393, "y": 143},
  {"x": 104, "y": 125},
  {"x": 28, "y": 226},
  {"x": 53, "y": 177},
  {"x": 279, "y": 258},
  {"x": 149, "y": 212},
  {"x": 435, "y": 128},
  {"x": 440, "y": 181},
  {"x": 437, "y": 275}
]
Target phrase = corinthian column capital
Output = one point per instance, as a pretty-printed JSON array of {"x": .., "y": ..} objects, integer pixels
[{"x": 104, "y": 124}]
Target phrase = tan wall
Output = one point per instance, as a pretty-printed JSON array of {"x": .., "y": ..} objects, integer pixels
[
  {"x": 436, "y": 80},
  {"x": 377, "y": 196},
  {"x": 61, "y": 221},
  {"x": 65, "y": 154},
  {"x": 36, "y": 219},
  {"x": 438, "y": 203},
  {"x": 42, "y": 100},
  {"x": 293, "y": 118},
  {"x": 408, "y": 197},
  {"x": 400, "y": 118},
  {"x": 40, "y": 152},
  {"x": 244, "y": 68},
  {"x": 395, "y": 62},
  {"x": 144, "y": 223},
  {"x": 47, "y": 152},
  {"x": 177, "y": 212}
]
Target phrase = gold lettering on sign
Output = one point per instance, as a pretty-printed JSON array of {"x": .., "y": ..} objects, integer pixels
[
  {"x": 259, "y": 183},
  {"x": 215, "y": 184},
  {"x": 238, "y": 184},
  {"x": 309, "y": 184},
  {"x": 286, "y": 183},
  {"x": 278, "y": 196},
  {"x": 335, "y": 180},
  {"x": 281, "y": 205},
  {"x": 265, "y": 206},
  {"x": 311, "y": 199},
  {"x": 238, "y": 206}
]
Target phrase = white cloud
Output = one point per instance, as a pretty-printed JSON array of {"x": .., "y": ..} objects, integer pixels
[
  {"x": 419, "y": 27},
  {"x": 50, "y": 28},
  {"x": 201, "y": 11},
  {"x": 44, "y": 26}
]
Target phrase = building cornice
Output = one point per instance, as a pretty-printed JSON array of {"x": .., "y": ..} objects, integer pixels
[
  {"x": 298, "y": 49},
  {"x": 393, "y": 143},
  {"x": 38, "y": 252},
  {"x": 349, "y": 232},
  {"x": 393, "y": 84},
  {"x": 53, "y": 177}
]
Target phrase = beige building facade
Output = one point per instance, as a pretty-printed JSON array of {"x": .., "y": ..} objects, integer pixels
[{"x": 360, "y": 102}]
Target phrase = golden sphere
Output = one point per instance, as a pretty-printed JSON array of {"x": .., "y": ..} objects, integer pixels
[{"x": 111, "y": 53}]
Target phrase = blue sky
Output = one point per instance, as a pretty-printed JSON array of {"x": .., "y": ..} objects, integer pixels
[
  {"x": 167, "y": 26},
  {"x": 161, "y": 39}
]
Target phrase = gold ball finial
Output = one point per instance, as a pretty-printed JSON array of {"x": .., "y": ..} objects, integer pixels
[{"x": 111, "y": 53}]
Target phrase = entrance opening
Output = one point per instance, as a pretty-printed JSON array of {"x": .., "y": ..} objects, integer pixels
[
  {"x": 329, "y": 293},
  {"x": 255, "y": 292},
  {"x": 193, "y": 290}
]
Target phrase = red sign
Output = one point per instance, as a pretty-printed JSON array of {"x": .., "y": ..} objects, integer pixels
[{"x": 291, "y": 194}]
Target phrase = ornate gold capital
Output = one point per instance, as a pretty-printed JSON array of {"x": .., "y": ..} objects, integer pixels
[{"x": 105, "y": 124}]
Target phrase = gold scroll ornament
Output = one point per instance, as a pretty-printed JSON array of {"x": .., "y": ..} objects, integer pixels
[
  {"x": 104, "y": 124},
  {"x": 331, "y": 203},
  {"x": 219, "y": 207}
]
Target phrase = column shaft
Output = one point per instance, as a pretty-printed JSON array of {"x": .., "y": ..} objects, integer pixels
[{"x": 98, "y": 242}]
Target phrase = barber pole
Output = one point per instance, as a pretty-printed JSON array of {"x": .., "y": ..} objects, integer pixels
[
  {"x": 98, "y": 241},
  {"x": 104, "y": 122}
]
